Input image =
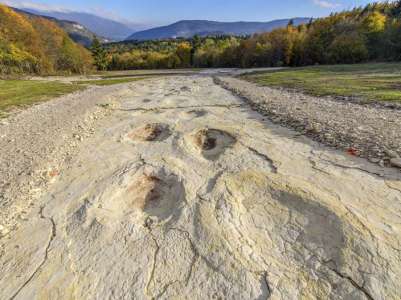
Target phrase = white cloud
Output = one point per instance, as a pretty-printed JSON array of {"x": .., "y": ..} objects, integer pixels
[
  {"x": 32, "y": 5},
  {"x": 98, "y": 11},
  {"x": 326, "y": 4}
]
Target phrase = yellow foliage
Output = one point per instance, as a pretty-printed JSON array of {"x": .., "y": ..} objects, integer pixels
[
  {"x": 375, "y": 22},
  {"x": 37, "y": 45},
  {"x": 184, "y": 53}
]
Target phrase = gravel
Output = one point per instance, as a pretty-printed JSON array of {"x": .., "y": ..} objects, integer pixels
[{"x": 368, "y": 131}]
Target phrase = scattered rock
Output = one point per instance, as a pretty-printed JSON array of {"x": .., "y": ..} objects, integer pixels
[
  {"x": 396, "y": 162},
  {"x": 341, "y": 123},
  {"x": 78, "y": 137},
  {"x": 391, "y": 154},
  {"x": 374, "y": 160}
]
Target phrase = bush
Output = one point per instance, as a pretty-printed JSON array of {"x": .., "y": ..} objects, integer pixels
[{"x": 348, "y": 48}]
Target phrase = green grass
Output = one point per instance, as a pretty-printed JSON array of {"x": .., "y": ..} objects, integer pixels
[
  {"x": 375, "y": 81},
  {"x": 17, "y": 93},
  {"x": 21, "y": 93},
  {"x": 104, "y": 82}
]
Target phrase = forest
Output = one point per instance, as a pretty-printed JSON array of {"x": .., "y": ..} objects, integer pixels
[
  {"x": 31, "y": 44},
  {"x": 369, "y": 33}
]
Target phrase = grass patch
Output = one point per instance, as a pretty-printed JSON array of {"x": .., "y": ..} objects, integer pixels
[
  {"x": 17, "y": 93},
  {"x": 375, "y": 81},
  {"x": 105, "y": 82}
]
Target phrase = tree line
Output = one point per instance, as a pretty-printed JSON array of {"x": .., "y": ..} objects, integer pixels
[
  {"x": 369, "y": 33},
  {"x": 30, "y": 44}
]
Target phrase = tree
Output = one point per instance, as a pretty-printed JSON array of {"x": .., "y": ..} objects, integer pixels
[
  {"x": 373, "y": 26},
  {"x": 184, "y": 53},
  {"x": 99, "y": 55},
  {"x": 348, "y": 48},
  {"x": 196, "y": 42},
  {"x": 374, "y": 22}
]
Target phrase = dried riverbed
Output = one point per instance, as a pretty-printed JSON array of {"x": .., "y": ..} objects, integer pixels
[{"x": 176, "y": 188}]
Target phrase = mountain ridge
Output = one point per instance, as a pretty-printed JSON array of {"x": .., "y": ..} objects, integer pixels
[
  {"x": 101, "y": 26},
  {"x": 77, "y": 32},
  {"x": 189, "y": 28}
]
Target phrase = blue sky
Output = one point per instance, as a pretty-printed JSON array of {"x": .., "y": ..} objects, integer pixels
[{"x": 167, "y": 11}]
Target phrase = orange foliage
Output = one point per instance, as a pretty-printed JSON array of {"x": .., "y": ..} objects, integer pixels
[{"x": 37, "y": 45}]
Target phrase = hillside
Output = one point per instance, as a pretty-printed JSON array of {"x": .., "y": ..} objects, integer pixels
[
  {"x": 77, "y": 32},
  {"x": 107, "y": 28},
  {"x": 31, "y": 44},
  {"x": 189, "y": 28}
]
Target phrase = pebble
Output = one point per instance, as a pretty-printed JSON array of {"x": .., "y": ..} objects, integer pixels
[
  {"x": 396, "y": 162},
  {"x": 78, "y": 137},
  {"x": 374, "y": 160},
  {"x": 391, "y": 154}
]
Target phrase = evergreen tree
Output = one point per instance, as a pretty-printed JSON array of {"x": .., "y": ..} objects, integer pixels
[
  {"x": 99, "y": 55},
  {"x": 196, "y": 41}
]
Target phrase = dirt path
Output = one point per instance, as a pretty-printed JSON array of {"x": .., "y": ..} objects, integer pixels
[{"x": 176, "y": 188}]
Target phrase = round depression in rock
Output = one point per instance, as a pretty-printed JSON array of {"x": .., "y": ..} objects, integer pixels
[
  {"x": 138, "y": 192},
  {"x": 149, "y": 132},
  {"x": 211, "y": 143},
  {"x": 157, "y": 194}
]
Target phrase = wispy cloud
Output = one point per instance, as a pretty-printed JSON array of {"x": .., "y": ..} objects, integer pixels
[
  {"x": 56, "y": 8},
  {"x": 32, "y": 5},
  {"x": 326, "y": 4}
]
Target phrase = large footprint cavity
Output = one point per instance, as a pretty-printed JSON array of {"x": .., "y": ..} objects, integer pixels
[
  {"x": 304, "y": 237},
  {"x": 151, "y": 132},
  {"x": 211, "y": 143},
  {"x": 115, "y": 216},
  {"x": 140, "y": 195},
  {"x": 158, "y": 195}
]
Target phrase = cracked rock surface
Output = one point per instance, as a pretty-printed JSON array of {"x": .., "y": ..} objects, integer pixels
[{"x": 193, "y": 195}]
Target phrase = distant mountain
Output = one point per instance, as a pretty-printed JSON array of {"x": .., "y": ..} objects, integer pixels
[
  {"x": 188, "y": 28},
  {"x": 77, "y": 32},
  {"x": 107, "y": 28}
]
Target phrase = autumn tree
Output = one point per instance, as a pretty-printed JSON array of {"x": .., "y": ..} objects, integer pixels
[{"x": 184, "y": 54}]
